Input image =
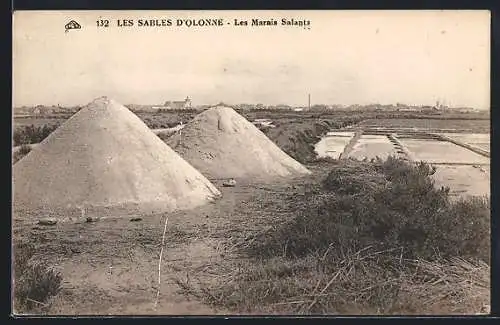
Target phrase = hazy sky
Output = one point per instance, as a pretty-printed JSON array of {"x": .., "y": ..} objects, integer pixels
[{"x": 346, "y": 57}]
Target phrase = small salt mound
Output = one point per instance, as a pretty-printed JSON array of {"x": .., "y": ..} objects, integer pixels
[
  {"x": 105, "y": 156},
  {"x": 221, "y": 143}
]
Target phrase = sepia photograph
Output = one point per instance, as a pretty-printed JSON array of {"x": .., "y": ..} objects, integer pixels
[{"x": 252, "y": 162}]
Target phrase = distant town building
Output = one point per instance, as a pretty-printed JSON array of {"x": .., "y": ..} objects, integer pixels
[
  {"x": 429, "y": 109},
  {"x": 183, "y": 104}
]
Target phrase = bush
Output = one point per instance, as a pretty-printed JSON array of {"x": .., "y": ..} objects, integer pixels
[
  {"x": 341, "y": 180},
  {"x": 34, "y": 282},
  {"x": 390, "y": 204},
  {"x": 31, "y": 134}
]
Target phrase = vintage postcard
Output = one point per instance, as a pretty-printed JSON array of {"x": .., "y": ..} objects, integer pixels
[{"x": 251, "y": 163}]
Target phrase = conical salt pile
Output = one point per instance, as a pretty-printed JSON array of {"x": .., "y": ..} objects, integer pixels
[
  {"x": 106, "y": 156},
  {"x": 221, "y": 143}
]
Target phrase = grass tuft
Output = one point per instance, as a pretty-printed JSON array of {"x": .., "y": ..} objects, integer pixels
[{"x": 35, "y": 283}]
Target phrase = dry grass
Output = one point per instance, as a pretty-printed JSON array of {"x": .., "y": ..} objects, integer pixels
[
  {"x": 366, "y": 282},
  {"x": 455, "y": 285},
  {"x": 338, "y": 279},
  {"x": 330, "y": 259},
  {"x": 35, "y": 283}
]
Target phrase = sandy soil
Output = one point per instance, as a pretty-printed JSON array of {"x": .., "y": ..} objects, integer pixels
[
  {"x": 111, "y": 266},
  {"x": 442, "y": 152},
  {"x": 371, "y": 146}
]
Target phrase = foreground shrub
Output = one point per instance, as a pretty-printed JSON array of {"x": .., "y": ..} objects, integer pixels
[
  {"x": 342, "y": 180},
  {"x": 386, "y": 204},
  {"x": 34, "y": 282}
]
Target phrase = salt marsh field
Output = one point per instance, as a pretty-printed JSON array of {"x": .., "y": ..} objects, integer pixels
[{"x": 464, "y": 171}]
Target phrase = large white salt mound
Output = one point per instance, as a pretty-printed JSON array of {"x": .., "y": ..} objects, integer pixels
[
  {"x": 104, "y": 155},
  {"x": 221, "y": 143}
]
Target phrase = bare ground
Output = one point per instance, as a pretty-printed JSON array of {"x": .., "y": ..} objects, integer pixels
[{"x": 111, "y": 266}]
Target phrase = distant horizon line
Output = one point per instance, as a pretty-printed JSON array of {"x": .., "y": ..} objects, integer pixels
[{"x": 263, "y": 104}]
